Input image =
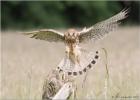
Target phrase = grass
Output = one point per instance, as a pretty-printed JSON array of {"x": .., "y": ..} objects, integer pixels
[{"x": 26, "y": 63}]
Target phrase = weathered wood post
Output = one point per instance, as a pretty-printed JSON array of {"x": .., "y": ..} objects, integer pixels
[
  {"x": 64, "y": 92},
  {"x": 56, "y": 88}
]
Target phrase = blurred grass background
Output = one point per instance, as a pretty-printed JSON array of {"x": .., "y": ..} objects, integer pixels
[
  {"x": 26, "y": 61},
  {"x": 63, "y": 14}
]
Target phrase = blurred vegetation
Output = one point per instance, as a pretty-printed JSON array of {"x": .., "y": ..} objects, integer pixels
[{"x": 62, "y": 14}]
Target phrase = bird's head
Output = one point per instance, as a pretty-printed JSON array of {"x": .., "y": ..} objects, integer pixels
[{"x": 71, "y": 36}]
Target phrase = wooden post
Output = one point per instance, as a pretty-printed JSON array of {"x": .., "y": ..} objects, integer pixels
[{"x": 64, "y": 92}]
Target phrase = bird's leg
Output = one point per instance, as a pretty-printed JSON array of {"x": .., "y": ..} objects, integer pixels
[
  {"x": 77, "y": 53},
  {"x": 70, "y": 52},
  {"x": 67, "y": 52},
  {"x": 78, "y": 59}
]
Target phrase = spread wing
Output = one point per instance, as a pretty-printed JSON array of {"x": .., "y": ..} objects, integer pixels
[
  {"x": 100, "y": 29},
  {"x": 47, "y": 34}
]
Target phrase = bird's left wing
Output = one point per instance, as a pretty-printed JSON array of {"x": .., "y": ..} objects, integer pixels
[
  {"x": 100, "y": 29},
  {"x": 47, "y": 34}
]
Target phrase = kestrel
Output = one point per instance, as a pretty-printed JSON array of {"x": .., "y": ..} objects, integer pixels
[{"x": 72, "y": 38}]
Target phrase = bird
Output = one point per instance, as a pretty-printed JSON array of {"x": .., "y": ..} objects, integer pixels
[{"x": 72, "y": 37}]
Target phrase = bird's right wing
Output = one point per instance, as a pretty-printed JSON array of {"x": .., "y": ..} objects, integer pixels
[{"x": 47, "y": 34}]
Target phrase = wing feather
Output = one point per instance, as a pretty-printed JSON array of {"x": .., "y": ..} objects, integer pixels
[
  {"x": 47, "y": 34},
  {"x": 100, "y": 29}
]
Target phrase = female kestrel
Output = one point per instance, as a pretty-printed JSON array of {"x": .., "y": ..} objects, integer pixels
[{"x": 72, "y": 37}]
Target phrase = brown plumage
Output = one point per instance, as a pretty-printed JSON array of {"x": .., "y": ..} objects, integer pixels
[{"x": 72, "y": 38}]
